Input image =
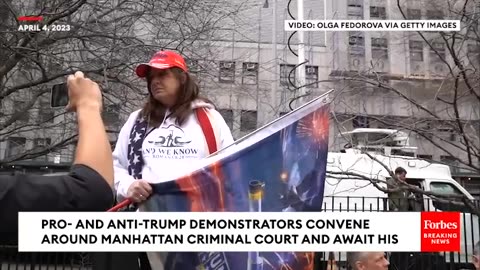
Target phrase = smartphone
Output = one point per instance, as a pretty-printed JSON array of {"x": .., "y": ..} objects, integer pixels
[{"x": 59, "y": 95}]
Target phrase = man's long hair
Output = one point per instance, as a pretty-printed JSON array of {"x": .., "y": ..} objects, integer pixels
[{"x": 189, "y": 91}]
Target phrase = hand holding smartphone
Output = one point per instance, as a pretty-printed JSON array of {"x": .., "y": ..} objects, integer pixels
[{"x": 59, "y": 95}]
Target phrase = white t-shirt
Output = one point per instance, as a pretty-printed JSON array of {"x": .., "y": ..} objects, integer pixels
[{"x": 170, "y": 151}]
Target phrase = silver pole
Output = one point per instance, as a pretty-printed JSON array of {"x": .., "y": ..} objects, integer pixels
[
  {"x": 258, "y": 56},
  {"x": 273, "y": 94},
  {"x": 301, "y": 56},
  {"x": 325, "y": 17}
]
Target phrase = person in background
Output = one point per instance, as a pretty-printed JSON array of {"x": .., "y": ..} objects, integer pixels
[
  {"x": 367, "y": 260},
  {"x": 398, "y": 200},
  {"x": 88, "y": 186},
  {"x": 166, "y": 138},
  {"x": 401, "y": 201}
]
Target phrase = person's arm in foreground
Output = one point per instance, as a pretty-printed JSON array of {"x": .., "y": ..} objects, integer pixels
[
  {"x": 88, "y": 186},
  {"x": 93, "y": 149}
]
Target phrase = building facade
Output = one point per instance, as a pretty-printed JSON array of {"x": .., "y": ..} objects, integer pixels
[{"x": 419, "y": 92}]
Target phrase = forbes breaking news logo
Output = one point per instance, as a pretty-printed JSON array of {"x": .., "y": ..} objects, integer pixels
[{"x": 440, "y": 232}]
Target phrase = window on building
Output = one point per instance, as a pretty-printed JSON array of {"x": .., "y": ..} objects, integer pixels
[
  {"x": 414, "y": 14},
  {"x": 45, "y": 112},
  {"x": 21, "y": 110},
  {"x": 226, "y": 72},
  {"x": 227, "y": 115},
  {"x": 248, "y": 121},
  {"x": 356, "y": 50},
  {"x": 380, "y": 54},
  {"x": 311, "y": 76},
  {"x": 111, "y": 113},
  {"x": 285, "y": 72},
  {"x": 417, "y": 66},
  {"x": 356, "y": 39},
  {"x": 249, "y": 73},
  {"x": 435, "y": 15},
  {"x": 193, "y": 65},
  {"x": 447, "y": 133},
  {"x": 426, "y": 157},
  {"x": 437, "y": 53},
  {"x": 39, "y": 144},
  {"x": 356, "y": 44},
  {"x": 42, "y": 142},
  {"x": 381, "y": 43},
  {"x": 15, "y": 146},
  {"x": 400, "y": 152},
  {"x": 378, "y": 12},
  {"x": 439, "y": 48},
  {"x": 360, "y": 121},
  {"x": 379, "y": 48},
  {"x": 355, "y": 9},
  {"x": 416, "y": 50}
]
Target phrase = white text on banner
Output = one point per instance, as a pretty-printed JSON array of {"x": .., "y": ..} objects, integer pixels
[
  {"x": 372, "y": 25},
  {"x": 227, "y": 231}
]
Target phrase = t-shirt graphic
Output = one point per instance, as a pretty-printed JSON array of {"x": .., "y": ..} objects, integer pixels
[{"x": 169, "y": 142}]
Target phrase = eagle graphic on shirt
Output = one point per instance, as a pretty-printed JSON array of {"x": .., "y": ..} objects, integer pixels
[{"x": 173, "y": 136}]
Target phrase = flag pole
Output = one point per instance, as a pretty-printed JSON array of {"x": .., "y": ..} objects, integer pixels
[{"x": 322, "y": 96}]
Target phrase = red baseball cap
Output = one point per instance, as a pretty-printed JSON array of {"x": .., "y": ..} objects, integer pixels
[{"x": 162, "y": 60}]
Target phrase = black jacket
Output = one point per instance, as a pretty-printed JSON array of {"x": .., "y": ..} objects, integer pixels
[{"x": 83, "y": 189}]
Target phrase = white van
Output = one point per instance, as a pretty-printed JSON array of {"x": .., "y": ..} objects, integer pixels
[{"x": 344, "y": 192}]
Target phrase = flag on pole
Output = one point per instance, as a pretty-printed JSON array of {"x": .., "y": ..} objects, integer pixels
[{"x": 278, "y": 168}]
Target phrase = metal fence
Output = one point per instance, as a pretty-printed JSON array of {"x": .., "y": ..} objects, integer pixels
[
  {"x": 400, "y": 261},
  {"x": 409, "y": 260},
  {"x": 11, "y": 259}
]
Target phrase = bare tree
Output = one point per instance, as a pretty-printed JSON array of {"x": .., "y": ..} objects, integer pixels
[
  {"x": 105, "y": 40},
  {"x": 438, "y": 107}
]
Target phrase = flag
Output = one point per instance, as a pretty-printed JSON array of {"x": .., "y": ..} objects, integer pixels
[{"x": 278, "y": 168}]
